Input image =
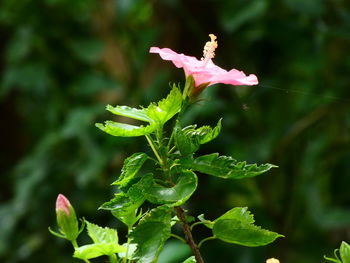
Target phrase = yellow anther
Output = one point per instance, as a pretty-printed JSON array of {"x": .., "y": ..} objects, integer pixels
[
  {"x": 209, "y": 48},
  {"x": 272, "y": 260}
]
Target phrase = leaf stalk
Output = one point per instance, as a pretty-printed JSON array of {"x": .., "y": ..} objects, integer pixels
[{"x": 150, "y": 141}]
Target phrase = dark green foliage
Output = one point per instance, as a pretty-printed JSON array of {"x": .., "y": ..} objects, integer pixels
[
  {"x": 225, "y": 166},
  {"x": 237, "y": 226},
  {"x": 124, "y": 205},
  {"x": 130, "y": 168},
  {"x": 188, "y": 139},
  {"x": 185, "y": 185},
  {"x": 151, "y": 233}
]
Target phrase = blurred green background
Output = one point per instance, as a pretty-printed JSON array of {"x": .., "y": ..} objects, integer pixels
[{"x": 62, "y": 61}]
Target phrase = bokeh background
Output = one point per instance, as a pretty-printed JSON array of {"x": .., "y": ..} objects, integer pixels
[{"x": 62, "y": 61}]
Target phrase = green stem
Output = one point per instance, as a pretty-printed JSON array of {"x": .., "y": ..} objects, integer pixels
[
  {"x": 125, "y": 259},
  {"x": 196, "y": 224},
  {"x": 179, "y": 238},
  {"x": 170, "y": 140},
  {"x": 205, "y": 240},
  {"x": 113, "y": 258},
  {"x": 172, "y": 149},
  {"x": 75, "y": 245},
  {"x": 150, "y": 141}
]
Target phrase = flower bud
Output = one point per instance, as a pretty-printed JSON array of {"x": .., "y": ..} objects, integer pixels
[{"x": 66, "y": 218}]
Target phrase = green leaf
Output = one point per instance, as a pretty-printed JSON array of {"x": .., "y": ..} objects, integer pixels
[
  {"x": 129, "y": 112},
  {"x": 165, "y": 109},
  {"x": 131, "y": 249},
  {"x": 237, "y": 226},
  {"x": 345, "y": 252},
  {"x": 203, "y": 134},
  {"x": 101, "y": 234},
  {"x": 130, "y": 168},
  {"x": 139, "y": 190},
  {"x": 151, "y": 233},
  {"x": 105, "y": 243},
  {"x": 185, "y": 185},
  {"x": 125, "y": 130},
  {"x": 124, "y": 206},
  {"x": 185, "y": 144},
  {"x": 97, "y": 250},
  {"x": 190, "y": 260},
  {"x": 206, "y": 222},
  {"x": 188, "y": 139},
  {"x": 154, "y": 114},
  {"x": 225, "y": 166}
]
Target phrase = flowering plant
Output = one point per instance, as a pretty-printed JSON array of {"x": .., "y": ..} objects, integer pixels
[{"x": 169, "y": 184}]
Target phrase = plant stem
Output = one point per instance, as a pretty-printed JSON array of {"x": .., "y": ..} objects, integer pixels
[
  {"x": 127, "y": 248},
  {"x": 150, "y": 141},
  {"x": 205, "y": 240},
  {"x": 196, "y": 224},
  {"x": 171, "y": 150},
  {"x": 187, "y": 231},
  {"x": 74, "y": 243},
  {"x": 113, "y": 258},
  {"x": 179, "y": 238}
]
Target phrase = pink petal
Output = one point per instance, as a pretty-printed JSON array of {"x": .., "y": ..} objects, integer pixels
[
  {"x": 179, "y": 60},
  {"x": 62, "y": 203},
  {"x": 235, "y": 77},
  {"x": 205, "y": 71}
]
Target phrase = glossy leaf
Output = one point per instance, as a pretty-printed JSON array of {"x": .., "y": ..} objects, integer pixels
[
  {"x": 101, "y": 234},
  {"x": 345, "y": 252},
  {"x": 190, "y": 260},
  {"x": 130, "y": 168},
  {"x": 131, "y": 249},
  {"x": 225, "y": 167},
  {"x": 185, "y": 144},
  {"x": 184, "y": 187},
  {"x": 124, "y": 206},
  {"x": 237, "y": 226},
  {"x": 151, "y": 233},
  {"x": 97, "y": 250},
  {"x": 139, "y": 190},
  {"x": 188, "y": 139},
  {"x": 165, "y": 109},
  {"x": 155, "y": 114},
  {"x": 137, "y": 114},
  {"x": 125, "y": 130},
  {"x": 105, "y": 243},
  {"x": 203, "y": 134}
]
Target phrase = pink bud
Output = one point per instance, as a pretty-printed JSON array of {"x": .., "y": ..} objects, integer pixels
[
  {"x": 66, "y": 218},
  {"x": 62, "y": 203}
]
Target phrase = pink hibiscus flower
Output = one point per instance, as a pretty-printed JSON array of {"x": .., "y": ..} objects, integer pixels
[{"x": 204, "y": 71}]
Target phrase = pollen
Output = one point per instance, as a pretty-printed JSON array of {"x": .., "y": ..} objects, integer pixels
[
  {"x": 272, "y": 260},
  {"x": 209, "y": 48}
]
